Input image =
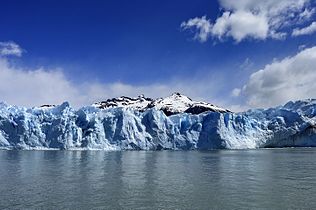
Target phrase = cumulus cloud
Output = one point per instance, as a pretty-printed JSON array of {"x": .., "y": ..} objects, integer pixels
[
  {"x": 254, "y": 19},
  {"x": 305, "y": 31},
  {"x": 292, "y": 78},
  {"x": 241, "y": 24},
  {"x": 10, "y": 48},
  {"x": 34, "y": 87}
]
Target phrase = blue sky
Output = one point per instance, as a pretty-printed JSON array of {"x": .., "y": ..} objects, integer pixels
[{"x": 205, "y": 49}]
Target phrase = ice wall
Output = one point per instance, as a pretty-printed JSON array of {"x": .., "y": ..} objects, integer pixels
[{"x": 62, "y": 127}]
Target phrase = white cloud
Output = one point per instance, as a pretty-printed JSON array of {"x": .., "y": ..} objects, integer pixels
[
  {"x": 10, "y": 48},
  {"x": 255, "y": 19},
  {"x": 302, "y": 47},
  {"x": 307, "y": 14},
  {"x": 202, "y": 25},
  {"x": 305, "y": 31},
  {"x": 292, "y": 78},
  {"x": 241, "y": 24},
  {"x": 246, "y": 65},
  {"x": 236, "y": 92},
  {"x": 34, "y": 87}
]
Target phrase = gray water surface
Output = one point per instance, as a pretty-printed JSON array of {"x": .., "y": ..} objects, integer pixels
[{"x": 235, "y": 179}]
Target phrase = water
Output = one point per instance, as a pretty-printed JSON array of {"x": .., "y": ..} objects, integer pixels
[{"x": 246, "y": 179}]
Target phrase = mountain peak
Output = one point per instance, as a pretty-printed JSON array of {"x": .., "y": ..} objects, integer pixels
[{"x": 170, "y": 105}]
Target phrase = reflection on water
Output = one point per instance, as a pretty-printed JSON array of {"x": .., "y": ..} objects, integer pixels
[{"x": 273, "y": 179}]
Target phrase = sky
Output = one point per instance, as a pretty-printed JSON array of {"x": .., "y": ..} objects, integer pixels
[{"x": 238, "y": 54}]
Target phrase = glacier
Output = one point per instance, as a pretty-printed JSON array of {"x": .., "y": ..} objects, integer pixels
[{"x": 89, "y": 128}]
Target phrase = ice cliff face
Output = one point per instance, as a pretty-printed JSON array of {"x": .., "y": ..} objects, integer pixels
[{"x": 127, "y": 128}]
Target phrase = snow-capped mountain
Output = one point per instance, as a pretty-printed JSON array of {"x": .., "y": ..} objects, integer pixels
[
  {"x": 174, "y": 104},
  {"x": 121, "y": 128},
  {"x": 139, "y": 103}
]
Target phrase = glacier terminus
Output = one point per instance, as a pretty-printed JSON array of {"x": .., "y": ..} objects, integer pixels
[{"x": 172, "y": 123}]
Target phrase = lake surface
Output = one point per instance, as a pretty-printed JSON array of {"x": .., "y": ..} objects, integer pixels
[{"x": 235, "y": 179}]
